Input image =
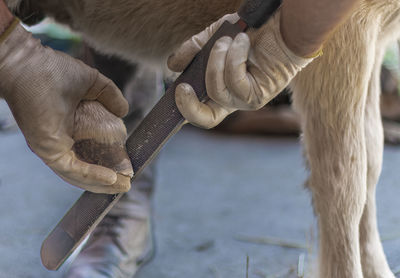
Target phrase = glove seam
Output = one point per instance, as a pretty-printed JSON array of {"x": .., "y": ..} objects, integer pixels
[
  {"x": 101, "y": 91},
  {"x": 16, "y": 39}
]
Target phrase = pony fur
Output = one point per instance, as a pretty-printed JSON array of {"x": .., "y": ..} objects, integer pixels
[
  {"x": 13, "y": 4},
  {"x": 337, "y": 97},
  {"x": 151, "y": 29}
]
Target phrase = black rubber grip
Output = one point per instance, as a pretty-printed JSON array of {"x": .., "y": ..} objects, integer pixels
[{"x": 256, "y": 12}]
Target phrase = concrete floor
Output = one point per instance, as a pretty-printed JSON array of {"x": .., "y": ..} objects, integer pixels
[{"x": 212, "y": 189}]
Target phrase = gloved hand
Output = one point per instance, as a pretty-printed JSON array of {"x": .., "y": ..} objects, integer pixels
[
  {"x": 244, "y": 73},
  {"x": 43, "y": 89}
]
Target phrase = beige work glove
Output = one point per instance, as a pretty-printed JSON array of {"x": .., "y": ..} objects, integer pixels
[
  {"x": 244, "y": 73},
  {"x": 43, "y": 89}
]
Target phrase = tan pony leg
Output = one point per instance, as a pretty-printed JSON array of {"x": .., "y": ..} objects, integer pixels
[
  {"x": 372, "y": 256},
  {"x": 373, "y": 259},
  {"x": 330, "y": 95}
]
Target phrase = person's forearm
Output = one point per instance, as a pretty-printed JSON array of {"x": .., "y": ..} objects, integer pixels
[
  {"x": 5, "y": 17},
  {"x": 307, "y": 24}
]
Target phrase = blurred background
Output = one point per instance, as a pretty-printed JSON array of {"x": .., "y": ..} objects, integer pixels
[{"x": 229, "y": 202}]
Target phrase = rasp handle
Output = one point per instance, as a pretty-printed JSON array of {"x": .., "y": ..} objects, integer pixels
[
  {"x": 143, "y": 145},
  {"x": 256, "y": 12}
]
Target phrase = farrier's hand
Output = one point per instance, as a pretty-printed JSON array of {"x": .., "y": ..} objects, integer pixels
[
  {"x": 43, "y": 88},
  {"x": 244, "y": 73}
]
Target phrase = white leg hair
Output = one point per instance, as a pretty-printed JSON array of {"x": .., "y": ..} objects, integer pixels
[
  {"x": 373, "y": 259},
  {"x": 332, "y": 104}
]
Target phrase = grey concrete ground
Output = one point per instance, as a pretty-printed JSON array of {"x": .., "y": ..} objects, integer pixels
[{"x": 212, "y": 190}]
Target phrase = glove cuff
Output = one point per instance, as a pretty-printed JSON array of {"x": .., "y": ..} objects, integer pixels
[
  {"x": 14, "y": 42},
  {"x": 269, "y": 40},
  {"x": 16, "y": 47}
]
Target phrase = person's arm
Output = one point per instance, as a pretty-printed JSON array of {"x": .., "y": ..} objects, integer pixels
[
  {"x": 307, "y": 24},
  {"x": 5, "y": 17},
  {"x": 247, "y": 72}
]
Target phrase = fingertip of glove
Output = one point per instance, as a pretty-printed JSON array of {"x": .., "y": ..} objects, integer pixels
[
  {"x": 231, "y": 18},
  {"x": 123, "y": 183},
  {"x": 185, "y": 95},
  {"x": 224, "y": 39},
  {"x": 184, "y": 88},
  {"x": 106, "y": 176},
  {"x": 242, "y": 37},
  {"x": 122, "y": 109},
  {"x": 96, "y": 174},
  {"x": 174, "y": 63},
  {"x": 113, "y": 99},
  {"x": 184, "y": 98},
  {"x": 107, "y": 93}
]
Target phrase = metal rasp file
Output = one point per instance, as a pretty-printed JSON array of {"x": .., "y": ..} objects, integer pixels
[{"x": 145, "y": 142}]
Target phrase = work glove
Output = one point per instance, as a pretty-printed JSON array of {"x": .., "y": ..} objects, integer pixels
[
  {"x": 43, "y": 89},
  {"x": 244, "y": 73}
]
